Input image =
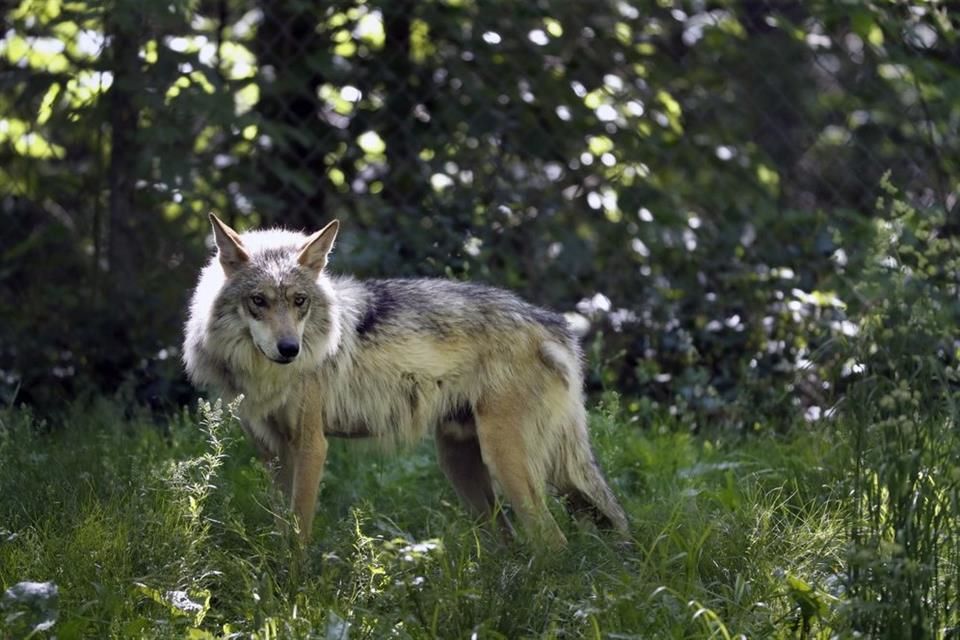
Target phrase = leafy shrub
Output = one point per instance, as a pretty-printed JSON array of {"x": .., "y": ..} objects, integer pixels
[{"x": 902, "y": 413}]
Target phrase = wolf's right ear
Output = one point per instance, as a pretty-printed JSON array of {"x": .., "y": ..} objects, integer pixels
[
  {"x": 314, "y": 253},
  {"x": 229, "y": 247}
]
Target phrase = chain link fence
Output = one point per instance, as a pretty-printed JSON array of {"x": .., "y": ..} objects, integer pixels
[{"x": 694, "y": 177}]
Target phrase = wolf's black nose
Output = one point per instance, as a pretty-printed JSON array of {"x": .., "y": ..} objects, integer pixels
[{"x": 288, "y": 347}]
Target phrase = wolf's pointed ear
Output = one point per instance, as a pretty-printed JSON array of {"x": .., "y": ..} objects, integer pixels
[
  {"x": 229, "y": 247},
  {"x": 313, "y": 255}
]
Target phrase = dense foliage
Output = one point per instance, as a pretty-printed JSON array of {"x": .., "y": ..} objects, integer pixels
[{"x": 697, "y": 178}]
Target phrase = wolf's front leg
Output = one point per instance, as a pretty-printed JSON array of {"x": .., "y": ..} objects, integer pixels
[
  {"x": 282, "y": 468},
  {"x": 308, "y": 453},
  {"x": 273, "y": 450}
]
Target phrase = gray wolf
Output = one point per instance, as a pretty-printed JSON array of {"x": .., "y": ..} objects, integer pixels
[{"x": 495, "y": 380}]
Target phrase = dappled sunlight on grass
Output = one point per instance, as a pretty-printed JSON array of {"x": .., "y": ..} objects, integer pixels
[{"x": 178, "y": 534}]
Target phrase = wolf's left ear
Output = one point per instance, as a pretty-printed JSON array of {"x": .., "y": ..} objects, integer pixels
[{"x": 313, "y": 255}]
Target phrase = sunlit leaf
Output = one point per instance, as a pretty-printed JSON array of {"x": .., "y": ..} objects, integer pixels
[
  {"x": 421, "y": 46},
  {"x": 768, "y": 177},
  {"x": 369, "y": 30},
  {"x": 553, "y": 27},
  {"x": 371, "y": 143},
  {"x": 46, "y": 105}
]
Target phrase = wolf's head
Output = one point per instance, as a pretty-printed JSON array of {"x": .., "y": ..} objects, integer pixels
[{"x": 273, "y": 284}]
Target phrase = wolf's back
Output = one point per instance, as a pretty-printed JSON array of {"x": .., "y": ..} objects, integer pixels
[{"x": 450, "y": 307}]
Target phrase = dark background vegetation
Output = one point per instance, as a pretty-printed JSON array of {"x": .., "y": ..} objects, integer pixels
[
  {"x": 750, "y": 205},
  {"x": 697, "y": 178}
]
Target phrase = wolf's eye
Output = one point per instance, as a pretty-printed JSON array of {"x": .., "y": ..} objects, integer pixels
[
  {"x": 258, "y": 300},
  {"x": 299, "y": 299}
]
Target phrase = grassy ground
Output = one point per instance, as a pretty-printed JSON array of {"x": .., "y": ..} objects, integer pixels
[{"x": 170, "y": 532}]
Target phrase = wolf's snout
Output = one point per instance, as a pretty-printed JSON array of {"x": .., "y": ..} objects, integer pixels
[{"x": 288, "y": 347}]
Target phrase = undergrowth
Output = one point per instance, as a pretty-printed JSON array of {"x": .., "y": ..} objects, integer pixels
[
  {"x": 902, "y": 415},
  {"x": 128, "y": 530}
]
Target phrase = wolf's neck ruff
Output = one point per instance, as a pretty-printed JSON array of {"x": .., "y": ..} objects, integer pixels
[{"x": 497, "y": 380}]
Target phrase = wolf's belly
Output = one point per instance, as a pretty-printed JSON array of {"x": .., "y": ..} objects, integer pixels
[{"x": 395, "y": 405}]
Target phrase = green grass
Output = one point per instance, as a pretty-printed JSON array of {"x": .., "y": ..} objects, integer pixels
[{"x": 171, "y": 532}]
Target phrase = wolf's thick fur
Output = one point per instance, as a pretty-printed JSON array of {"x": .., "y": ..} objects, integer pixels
[{"x": 496, "y": 380}]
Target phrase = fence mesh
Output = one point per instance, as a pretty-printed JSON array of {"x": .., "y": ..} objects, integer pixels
[{"x": 683, "y": 173}]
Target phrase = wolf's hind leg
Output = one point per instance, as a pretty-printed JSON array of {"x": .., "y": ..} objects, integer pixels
[
  {"x": 500, "y": 433},
  {"x": 458, "y": 452}
]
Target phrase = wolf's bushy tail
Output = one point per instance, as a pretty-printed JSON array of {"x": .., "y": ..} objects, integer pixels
[{"x": 579, "y": 478}]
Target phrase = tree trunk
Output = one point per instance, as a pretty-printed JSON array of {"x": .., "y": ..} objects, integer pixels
[
  {"x": 124, "y": 24},
  {"x": 403, "y": 187}
]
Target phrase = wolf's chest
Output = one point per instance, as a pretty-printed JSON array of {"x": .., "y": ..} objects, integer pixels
[{"x": 268, "y": 393}]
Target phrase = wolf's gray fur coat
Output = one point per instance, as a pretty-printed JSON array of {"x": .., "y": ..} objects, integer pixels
[{"x": 496, "y": 380}]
